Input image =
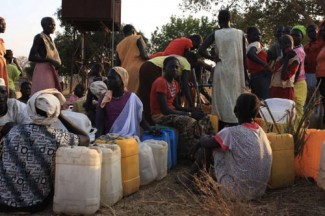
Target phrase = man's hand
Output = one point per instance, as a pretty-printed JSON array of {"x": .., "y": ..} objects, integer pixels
[
  {"x": 197, "y": 115},
  {"x": 55, "y": 64},
  {"x": 155, "y": 130}
]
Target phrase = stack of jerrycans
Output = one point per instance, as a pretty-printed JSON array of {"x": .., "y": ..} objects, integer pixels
[
  {"x": 129, "y": 160},
  {"x": 170, "y": 136}
]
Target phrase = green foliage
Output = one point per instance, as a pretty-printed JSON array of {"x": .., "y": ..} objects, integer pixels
[
  {"x": 180, "y": 27},
  {"x": 265, "y": 14},
  {"x": 98, "y": 47}
]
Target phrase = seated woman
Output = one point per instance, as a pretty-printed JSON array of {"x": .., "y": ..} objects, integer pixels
[
  {"x": 96, "y": 90},
  {"x": 78, "y": 94},
  {"x": 242, "y": 154},
  {"x": 166, "y": 109},
  {"x": 120, "y": 111},
  {"x": 27, "y": 157}
]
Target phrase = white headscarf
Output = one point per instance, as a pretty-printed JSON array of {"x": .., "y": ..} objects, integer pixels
[
  {"x": 98, "y": 88},
  {"x": 47, "y": 100}
]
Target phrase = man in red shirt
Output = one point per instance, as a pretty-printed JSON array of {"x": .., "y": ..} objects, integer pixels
[
  {"x": 166, "y": 109},
  {"x": 180, "y": 46}
]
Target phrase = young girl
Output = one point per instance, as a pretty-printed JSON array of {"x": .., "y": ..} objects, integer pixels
[
  {"x": 241, "y": 154},
  {"x": 256, "y": 59},
  {"x": 285, "y": 69}
]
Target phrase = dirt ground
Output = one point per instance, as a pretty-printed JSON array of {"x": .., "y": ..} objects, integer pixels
[{"x": 168, "y": 197}]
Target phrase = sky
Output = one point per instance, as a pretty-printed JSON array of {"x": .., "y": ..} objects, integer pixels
[{"x": 23, "y": 18}]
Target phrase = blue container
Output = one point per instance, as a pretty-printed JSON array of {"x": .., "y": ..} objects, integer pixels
[
  {"x": 173, "y": 136},
  {"x": 165, "y": 137}
]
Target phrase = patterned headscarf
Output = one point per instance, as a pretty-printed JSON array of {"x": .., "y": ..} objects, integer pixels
[
  {"x": 47, "y": 100},
  {"x": 125, "y": 79}
]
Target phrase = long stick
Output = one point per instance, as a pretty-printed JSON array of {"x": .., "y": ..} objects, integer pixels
[
  {"x": 197, "y": 89},
  {"x": 275, "y": 124}
]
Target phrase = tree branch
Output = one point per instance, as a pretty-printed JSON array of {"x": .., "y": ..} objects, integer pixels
[{"x": 302, "y": 11}]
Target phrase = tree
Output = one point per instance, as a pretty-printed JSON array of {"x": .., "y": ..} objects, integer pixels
[
  {"x": 98, "y": 48},
  {"x": 265, "y": 14},
  {"x": 179, "y": 27},
  {"x": 23, "y": 62}
]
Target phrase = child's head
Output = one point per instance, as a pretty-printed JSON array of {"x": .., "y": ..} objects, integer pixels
[
  {"x": 196, "y": 40},
  {"x": 247, "y": 107},
  {"x": 79, "y": 90},
  {"x": 286, "y": 41},
  {"x": 97, "y": 70},
  {"x": 253, "y": 34},
  {"x": 25, "y": 88}
]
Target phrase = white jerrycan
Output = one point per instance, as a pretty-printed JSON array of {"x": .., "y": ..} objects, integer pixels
[
  {"x": 77, "y": 180},
  {"x": 111, "y": 190}
]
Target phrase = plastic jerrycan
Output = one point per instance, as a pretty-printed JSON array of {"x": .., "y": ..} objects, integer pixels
[
  {"x": 111, "y": 190},
  {"x": 159, "y": 150},
  {"x": 172, "y": 148},
  {"x": 77, "y": 180},
  {"x": 283, "y": 169},
  {"x": 321, "y": 174},
  {"x": 164, "y": 136},
  {"x": 148, "y": 170},
  {"x": 129, "y": 160},
  {"x": 308, "y": 164}
]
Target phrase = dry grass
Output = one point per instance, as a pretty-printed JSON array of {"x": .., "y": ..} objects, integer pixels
[{"x": 170, "y": 198}]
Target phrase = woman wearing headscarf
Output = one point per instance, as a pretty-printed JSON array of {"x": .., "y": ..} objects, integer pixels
[
  {"x": 28, "y": 154},
  {"x": 121, "y": 110},
  {"x": 298, "y": 32},
  {"x": 3, "y": 69},
  {"x": 96, "y": 90}
]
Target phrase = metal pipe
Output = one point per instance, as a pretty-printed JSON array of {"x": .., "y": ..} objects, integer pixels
[{"x": 113, "y": 29}]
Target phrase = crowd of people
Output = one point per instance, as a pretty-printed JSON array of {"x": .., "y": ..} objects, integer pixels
[{"x": 143, "y": 91}]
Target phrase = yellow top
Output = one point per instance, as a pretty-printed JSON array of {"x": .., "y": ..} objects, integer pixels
[
  {"x": 184, "y": 64},
  {"x": 129, "y": 55}
]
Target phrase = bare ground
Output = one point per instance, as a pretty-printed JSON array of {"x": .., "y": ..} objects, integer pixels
[{"x": 168, "y": 197}]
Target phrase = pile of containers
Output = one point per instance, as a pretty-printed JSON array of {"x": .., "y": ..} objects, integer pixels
[{"x": 87, "y": 178}]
